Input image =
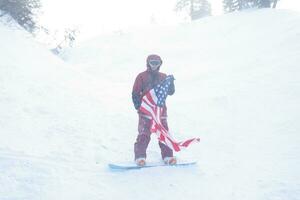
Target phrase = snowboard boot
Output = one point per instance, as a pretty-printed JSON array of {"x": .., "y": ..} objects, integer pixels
[
  {"x": 170, "y": 160},
  {"x": 140, "y": 162}
]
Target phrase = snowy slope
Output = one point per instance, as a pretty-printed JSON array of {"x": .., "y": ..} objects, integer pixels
[
  {"x": 237, "y": 88},
  {"x": 50, "y": 121}
]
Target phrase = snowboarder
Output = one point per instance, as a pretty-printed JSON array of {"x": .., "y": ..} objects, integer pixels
[{"x": 144, "y": 82}]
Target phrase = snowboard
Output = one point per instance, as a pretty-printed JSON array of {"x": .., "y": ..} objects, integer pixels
[{"x": 133, "y": 166}]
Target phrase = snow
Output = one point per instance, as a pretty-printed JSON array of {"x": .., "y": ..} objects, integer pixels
[{"x": 237, "y": 88}]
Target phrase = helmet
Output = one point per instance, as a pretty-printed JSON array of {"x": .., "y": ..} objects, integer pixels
[{"x": 154, "y": 62}]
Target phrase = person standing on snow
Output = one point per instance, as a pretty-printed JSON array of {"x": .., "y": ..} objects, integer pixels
[{"x": 144, "y": 82}]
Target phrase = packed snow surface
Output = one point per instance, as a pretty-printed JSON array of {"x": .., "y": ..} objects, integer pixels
[{"x": 237, "y": 88}]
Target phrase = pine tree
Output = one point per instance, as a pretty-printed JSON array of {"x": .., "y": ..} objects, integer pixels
[
  {"x": 274, "y": 3},
  {"x": 233, "y": 5},
  {"x": 201, "y": 8},
  {"x": 197, "y": 8},
  {"x": 23, "y": 11},
  {"x": 228, "y": 6},
  {"x": 264, "y": 3}
]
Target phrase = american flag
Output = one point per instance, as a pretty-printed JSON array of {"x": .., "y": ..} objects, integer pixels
[{"x": 152, "y": 105}]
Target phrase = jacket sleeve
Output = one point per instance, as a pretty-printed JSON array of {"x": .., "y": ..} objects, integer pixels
[
  {"x": 171, "y": 90},
  {"x": 137, "y": 92}
]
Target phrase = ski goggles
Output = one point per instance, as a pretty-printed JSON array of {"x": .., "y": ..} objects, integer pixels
[{"x": 154, "y": 63}]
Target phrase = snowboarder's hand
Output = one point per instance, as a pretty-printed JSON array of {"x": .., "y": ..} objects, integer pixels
[{"x": 171, "y": 77}]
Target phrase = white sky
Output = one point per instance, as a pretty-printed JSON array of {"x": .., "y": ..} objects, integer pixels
[{"x": 101, "y": 16}]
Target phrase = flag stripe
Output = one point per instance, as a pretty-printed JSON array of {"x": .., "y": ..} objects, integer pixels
[{"x": 152, "y": 106}]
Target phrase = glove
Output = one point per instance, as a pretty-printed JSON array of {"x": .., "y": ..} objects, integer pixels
[{"x": 171, "y": 77}]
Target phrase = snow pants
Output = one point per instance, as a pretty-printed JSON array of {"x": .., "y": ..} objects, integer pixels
[{"x": 143, "y": 139}]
